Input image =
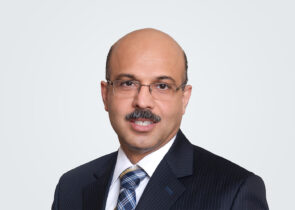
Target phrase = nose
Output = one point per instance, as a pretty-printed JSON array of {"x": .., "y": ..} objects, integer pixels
[{"x": 143, "y": 99}]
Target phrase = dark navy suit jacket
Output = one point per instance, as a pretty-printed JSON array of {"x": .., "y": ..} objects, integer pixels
[{"x": 188, "y": 177}]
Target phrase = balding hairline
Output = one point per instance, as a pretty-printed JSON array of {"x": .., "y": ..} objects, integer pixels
[{"x": 108, "y": 65}]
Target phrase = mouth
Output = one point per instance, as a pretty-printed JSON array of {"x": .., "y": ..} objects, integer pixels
[
  {"x": 142, "y": 125},
  {"x": 142, "y": 120}
]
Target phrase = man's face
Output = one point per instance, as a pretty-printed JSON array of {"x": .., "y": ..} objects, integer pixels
[{"x": 146, "y": 64}]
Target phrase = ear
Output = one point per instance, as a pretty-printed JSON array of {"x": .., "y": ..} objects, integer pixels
[
  {"x": 104, "y": 93},
  {"x": 185, "y": 97}
]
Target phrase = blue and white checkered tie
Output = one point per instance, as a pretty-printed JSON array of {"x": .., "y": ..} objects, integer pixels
[{"x": 130, "y": 179}]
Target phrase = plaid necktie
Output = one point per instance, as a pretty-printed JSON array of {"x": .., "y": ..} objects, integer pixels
[{"x": 130, "y": 179}]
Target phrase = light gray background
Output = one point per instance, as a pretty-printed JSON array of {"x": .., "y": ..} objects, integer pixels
[{"x": 241, "y": 66}]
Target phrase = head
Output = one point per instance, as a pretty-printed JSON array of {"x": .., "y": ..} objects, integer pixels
[{"x": 143, "y": 122}]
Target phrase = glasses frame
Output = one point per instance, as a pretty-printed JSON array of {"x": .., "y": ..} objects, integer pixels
[{"x": 109, "y": 82}]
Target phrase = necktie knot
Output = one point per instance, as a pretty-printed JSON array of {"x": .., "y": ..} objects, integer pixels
[{"x": 132, "y": 178}]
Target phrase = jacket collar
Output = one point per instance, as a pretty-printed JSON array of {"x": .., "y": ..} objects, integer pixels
[
  {"x": 95, "y": 194},
  {"x": 180, "y": 156},
  {"x": 164, "y": 187}
]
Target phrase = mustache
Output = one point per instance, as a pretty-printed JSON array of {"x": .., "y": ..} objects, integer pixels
[{"x": 143, "y": 113}]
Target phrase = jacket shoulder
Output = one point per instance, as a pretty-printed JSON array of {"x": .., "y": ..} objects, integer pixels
[
  {"x": 222, "y": 178},
  {"x": 214, "y": 164},
  {"x": 85, "y": 173}
]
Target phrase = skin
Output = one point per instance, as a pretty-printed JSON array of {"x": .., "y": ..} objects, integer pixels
[{"x": 146, "y": 55}]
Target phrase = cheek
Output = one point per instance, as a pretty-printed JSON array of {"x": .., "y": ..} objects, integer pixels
[
  {"x": 117, "y": 112},
  {"x": 118, "y": 108},
  {"x": 171, "y": 110}
]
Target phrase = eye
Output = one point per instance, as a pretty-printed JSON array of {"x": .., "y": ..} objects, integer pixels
[
  {"x": 127, "y": 83},
  {"x": 163, "y": 86}
]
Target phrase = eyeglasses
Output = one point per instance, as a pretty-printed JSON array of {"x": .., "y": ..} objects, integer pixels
[{"x": 129, "y": 88}]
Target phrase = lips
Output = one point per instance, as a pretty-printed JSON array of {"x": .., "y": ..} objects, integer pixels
[{"x": 142, "y": 125}]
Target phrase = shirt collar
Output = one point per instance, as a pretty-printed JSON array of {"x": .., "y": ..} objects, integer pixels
[{"x": 149, "y": 163}]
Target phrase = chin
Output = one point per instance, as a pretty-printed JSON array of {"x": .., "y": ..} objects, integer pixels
[
  {"x": 140, "y": 150},
  {"x": 139, "y": 144}
]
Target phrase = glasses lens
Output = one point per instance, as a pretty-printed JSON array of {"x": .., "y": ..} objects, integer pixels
[
  {"x": 125, "y": 88},
  {"x": 162, "y": 91}
]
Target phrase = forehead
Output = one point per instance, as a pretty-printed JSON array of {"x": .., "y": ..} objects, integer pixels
[{"x": 147, "y": 62}]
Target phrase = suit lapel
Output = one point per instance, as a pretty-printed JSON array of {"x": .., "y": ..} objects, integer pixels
[
  {"x": 164, "y": 187},
  {"x": 95, "y": 194},
  {"x": 162, "y": 190}
]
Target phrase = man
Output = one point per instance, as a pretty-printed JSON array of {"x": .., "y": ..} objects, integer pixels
[{"x": 156, "y": 167}]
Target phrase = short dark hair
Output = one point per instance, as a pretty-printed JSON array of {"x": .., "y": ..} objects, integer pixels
[
  {"x": 108, "y": 66},
  {"x": 108, "y": 63}
]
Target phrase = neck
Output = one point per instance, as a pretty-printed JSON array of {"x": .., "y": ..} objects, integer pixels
[{"x": 136, "y": 154}]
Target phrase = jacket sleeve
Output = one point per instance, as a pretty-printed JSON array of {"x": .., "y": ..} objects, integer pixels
[{"x": 251, "y": 195}]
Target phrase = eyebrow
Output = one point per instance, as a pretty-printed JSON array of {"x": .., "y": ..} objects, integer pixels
[
  {"x": 120, "y": 76},
  {"x": 131, "y": 76},
  {"x": 165, "y": 77}
]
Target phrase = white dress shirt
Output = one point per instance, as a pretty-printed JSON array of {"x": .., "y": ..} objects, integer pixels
[{"x": 149, "y": 164}]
